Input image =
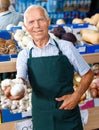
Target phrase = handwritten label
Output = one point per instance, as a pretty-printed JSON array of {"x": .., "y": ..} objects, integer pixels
[{"x": 24, "y": 125}]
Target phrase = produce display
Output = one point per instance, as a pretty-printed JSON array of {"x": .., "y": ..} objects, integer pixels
[
  {"x": 70, "y": 37},
  {"x": 61, "y": 33},
  {"x": 58, "y": 31},
  {"x": 93, "y": 91},
  {"x": 94, "y": 86},
  {"x": 93, "y": 20},
  {"x": 16, "y": 106},
  {"x": 22, "y": 37},
  {"x": 8, "y": 46},
  {"x": 77, "y": 80},
  {"x": 89, "y": 35},
  {"x": 60, "y": 21}
]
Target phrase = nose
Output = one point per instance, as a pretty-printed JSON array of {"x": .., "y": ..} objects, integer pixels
[{"x": 36, "y": 24}]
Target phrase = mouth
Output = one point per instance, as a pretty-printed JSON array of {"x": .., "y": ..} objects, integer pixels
[{"x": 38, "y": 31}]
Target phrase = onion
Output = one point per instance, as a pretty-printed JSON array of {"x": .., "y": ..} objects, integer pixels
[
  {"x": 69, "y": 37},
  {"x": 58, "y": 31}
]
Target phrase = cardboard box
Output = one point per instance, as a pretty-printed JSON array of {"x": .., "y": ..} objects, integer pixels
[
  {"x": 93, "y": 119},
  {"x": 24, "y": 124},
  {"x": 87, "y": 104}
]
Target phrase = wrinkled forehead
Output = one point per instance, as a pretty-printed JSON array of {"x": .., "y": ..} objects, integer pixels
[{"x": 34, "y": 13}]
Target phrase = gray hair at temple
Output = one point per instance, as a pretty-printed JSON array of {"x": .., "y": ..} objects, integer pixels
[
  {"x": 4, "y": 4},
  {"x": 35, "y": 6}
]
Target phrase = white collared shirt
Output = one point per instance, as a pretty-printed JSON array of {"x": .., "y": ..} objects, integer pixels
[{"x": 50, "y": 49}]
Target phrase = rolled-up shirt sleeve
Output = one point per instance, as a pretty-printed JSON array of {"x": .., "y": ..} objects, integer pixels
[{"x": 21, "y": 64}]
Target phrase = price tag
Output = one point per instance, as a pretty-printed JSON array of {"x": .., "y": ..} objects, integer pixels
[
  {"x": 24, "y": 125},
  {"x": 84, "y": 116}
]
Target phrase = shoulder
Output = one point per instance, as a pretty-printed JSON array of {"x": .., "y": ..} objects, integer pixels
[
  {"x": 24, "y": 52},
  {"x": 64, "y": 45}
]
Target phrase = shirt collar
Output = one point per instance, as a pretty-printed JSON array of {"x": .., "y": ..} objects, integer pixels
[{"x": 50, "y": 42}]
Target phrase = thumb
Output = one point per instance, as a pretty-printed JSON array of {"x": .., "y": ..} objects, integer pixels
[{"x": 60, "y": 98}]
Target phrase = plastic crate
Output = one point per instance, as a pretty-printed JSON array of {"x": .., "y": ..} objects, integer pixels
[
  {"x": 86, "y": 48},
  {"x": 7, "y": 116},
  {"x": 85, "y": 25},
  {"x": 5, "y": 34},
  {"x": 5, "y": 57}
]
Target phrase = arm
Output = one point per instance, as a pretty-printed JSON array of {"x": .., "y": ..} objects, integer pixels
[
  {"x": 21, "y": 65},
  {"x": 70, "y": 101}
]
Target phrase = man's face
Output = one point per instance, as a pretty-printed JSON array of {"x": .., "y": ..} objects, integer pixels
[{"x": 37, "y": 24}]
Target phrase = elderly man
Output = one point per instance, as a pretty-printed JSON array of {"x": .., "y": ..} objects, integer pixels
[{"x": 50, "y": 66}]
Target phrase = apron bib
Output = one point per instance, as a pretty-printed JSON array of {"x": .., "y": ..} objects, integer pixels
[{"x": 52, "y": 77}]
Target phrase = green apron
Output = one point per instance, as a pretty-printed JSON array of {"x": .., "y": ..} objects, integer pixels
[{"x": 52, "y": 77}]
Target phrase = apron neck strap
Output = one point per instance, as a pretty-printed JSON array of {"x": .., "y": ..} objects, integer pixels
[
  {"x": 60, "y": 52},
  {"x": 30, "y": 53}
]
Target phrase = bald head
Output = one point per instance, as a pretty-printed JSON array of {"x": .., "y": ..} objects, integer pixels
[
  {"x": 4, "y": 4},
  {"x": 33, "y": 7}
]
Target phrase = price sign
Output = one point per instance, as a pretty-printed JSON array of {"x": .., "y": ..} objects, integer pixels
[{"x": 24, "y": 125}]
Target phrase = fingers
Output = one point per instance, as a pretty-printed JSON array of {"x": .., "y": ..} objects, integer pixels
[
  {"x": 60, "y": 98},
  {"x": 68, "y": 102},
  {"x": 7, "y": 91}
]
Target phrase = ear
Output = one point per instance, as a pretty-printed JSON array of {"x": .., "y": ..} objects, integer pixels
[{"x": 49, "y": 21}]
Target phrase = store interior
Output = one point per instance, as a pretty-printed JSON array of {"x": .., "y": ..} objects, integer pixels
[{"x": 80, "y": 18}]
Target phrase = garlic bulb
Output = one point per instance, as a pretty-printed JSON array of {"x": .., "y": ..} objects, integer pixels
[
  {"x": 19, "y": 35},
  {"x": 5, "y": 83}
]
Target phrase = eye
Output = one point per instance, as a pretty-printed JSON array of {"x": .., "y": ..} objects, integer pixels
[
  {"x": 31, "y": 22},
  {"x": 41, "y": 20}
]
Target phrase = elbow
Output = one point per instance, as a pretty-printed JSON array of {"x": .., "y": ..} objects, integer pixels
[{"x": 91, "y": 74}]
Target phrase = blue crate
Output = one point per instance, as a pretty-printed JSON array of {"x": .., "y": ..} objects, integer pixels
[
  {"x": 5, "y": 34},
  {"x": 13, "y": 55},
  {"x": 81, "y": 48},
  {"x": 7, "y": 116},
  {"x": 13, "y": 29},
  {"x": 92, "y": 48},
  {"x": 85, "y": 25},
  {"x": 86, "y": 48},
  {"x": 5, "y": 57}
]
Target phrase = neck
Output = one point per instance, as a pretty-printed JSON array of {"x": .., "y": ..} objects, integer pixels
[{"x": 41, "y": 43}]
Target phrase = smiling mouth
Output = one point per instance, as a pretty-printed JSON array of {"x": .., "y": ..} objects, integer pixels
[{"x": 40, "y": 31}]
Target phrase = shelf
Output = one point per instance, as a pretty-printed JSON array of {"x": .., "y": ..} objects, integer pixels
[
  {"x": 91, "y": 58},
  {"x": 10, "y": 66}
]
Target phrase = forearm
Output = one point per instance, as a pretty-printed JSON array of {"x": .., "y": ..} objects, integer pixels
[{"x": 84, "y": 83}]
